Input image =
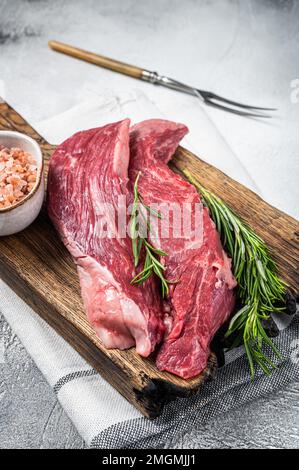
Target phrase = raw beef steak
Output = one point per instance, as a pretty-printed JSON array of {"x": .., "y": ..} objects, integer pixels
[
  {"x": 88, "y": 174},
  {"x": 202, "y": 298}
]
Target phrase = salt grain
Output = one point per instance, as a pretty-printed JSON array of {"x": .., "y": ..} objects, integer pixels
[{"x": 18, "y": 175}]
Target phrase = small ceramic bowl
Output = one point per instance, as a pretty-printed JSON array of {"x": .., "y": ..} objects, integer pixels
[{"x": 15, "y": 218}]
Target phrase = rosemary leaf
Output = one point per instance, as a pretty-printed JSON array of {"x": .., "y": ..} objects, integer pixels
[
  {"x": 259, "y": 287},
  {"x": 152, "y": 264}
]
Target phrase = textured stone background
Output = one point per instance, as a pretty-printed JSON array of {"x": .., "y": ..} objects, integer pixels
[{"x": 247, "y": 49}]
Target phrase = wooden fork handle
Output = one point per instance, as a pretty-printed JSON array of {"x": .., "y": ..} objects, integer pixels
[{"x": 97, "y": 59}]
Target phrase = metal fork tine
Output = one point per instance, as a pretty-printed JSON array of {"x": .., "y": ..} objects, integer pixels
[
  {"x": 212, "y": 99},
  {"x": 235, "y": 111},
  {"x": 212, "y": 96}
]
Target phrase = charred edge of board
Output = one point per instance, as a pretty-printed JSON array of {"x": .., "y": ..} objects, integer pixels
[{"x": 158, "y": 392}]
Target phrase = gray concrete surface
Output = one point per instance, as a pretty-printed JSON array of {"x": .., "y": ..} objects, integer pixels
[{"x": 245, "y": 49}]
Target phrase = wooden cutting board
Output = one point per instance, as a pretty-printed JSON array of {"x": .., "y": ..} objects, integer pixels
[{"x": 36, "y": 265}]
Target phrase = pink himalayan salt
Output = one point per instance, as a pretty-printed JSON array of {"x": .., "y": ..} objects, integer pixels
[{"x": 18, "y": 175}]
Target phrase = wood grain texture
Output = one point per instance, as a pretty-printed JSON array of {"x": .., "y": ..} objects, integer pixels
[
  {"x": 96, "y": 59},
  {"x": 39, "y": 268}
]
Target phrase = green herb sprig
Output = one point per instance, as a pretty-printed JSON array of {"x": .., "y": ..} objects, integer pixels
[
  {"x": 259, "y": 288},
  {"x": 152, "y": 264}
]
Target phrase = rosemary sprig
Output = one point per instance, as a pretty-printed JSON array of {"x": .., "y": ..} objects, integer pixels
[
  {"x": 152, "y": 264},
  {"x": 259, "y": 288}
]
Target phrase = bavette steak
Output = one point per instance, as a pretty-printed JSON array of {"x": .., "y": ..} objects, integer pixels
[
  {"x": 88, "y": 175},
  {"x": 91, "y": 178},
  {"x": 202, "y": 297}
]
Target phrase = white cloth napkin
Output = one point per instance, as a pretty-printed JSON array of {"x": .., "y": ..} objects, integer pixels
[
  {"x": 203, "y": 138},
  {"x": 91, "y": 403}
]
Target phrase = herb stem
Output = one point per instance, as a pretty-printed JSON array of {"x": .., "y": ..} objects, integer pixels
[
  {"x": 152, "y": 264},
  {"x": 259, "y": 287}
]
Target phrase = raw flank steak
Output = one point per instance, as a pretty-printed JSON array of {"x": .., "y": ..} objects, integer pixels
[
  {"x": 202, "y": 297},
  {"x": 88, "y": 172}
]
